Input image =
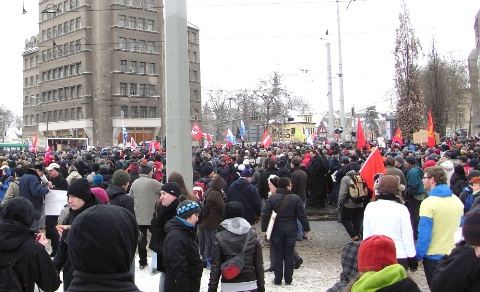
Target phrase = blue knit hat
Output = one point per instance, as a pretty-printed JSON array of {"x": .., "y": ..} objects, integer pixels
[
  {"x": 97, "y": 180},
  {"x": 187, "y": 208}
]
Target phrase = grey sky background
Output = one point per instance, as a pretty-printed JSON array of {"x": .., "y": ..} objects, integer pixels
[{"x": 243, "y": 41}]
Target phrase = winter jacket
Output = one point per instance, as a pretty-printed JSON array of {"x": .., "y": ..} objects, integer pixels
[
  {"x": 160, "y": 218},
  {"x": 262, "y": 184},
  {"x": 118, "y": 196},
  {"x": 12, "y": 191},
  {"x": 343, "y": 193},
  {"x": 5, "y": 182},
  {"x": 145, "y": 192},
  {"x": 86, "y": 282},
  {"x": 214, "y": 200},
  {"x": 31, "y": 188},
  {"x": 414, "y": 182},
  {"x": 349, "y": 266},
  {"x": 392, "y": 278},
  {"x": 62, "y": 260},
  {"x": 392, "y": 170},
  {"x": 299, "y": 181},
  {"x": 287, "y": 219},
  {"x": 284, "y": 172},
  {"x": 459, "y": 271},
  {"x": 59, "y": 183},
  {"x": 440, "y": 216},
  {"x": 244, "y": 192},
  {"x": 181, "y": 259},
  {"x": 35, "y": 267},
  {"x": 229, "y": 242}
]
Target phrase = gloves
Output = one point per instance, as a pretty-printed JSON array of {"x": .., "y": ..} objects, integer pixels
[{"x": 413, "y": 264}]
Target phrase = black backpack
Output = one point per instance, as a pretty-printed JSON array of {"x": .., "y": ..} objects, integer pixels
[{"x": 8, "y": 278}]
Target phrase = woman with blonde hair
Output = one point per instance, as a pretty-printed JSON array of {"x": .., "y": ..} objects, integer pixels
[{"x": 178, "y": 178}]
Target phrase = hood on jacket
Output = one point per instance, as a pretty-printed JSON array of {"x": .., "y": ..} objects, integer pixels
[
  {"x": 175, "y": 223},
  {"x": 372, "y": 281},
  {"x": 90, "y": 240},
  {"x": 446, "y": 164},
  {"x": 236, "y": 225},
  {"x": 218, "y": 183},
  {"x": 18, "y": 209},
  {"x": 349, "y": 261},
  {"x": 441, "y": 191}
]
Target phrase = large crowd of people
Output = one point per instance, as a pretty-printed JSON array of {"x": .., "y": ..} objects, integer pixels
[{"x": 115, "y": 198}]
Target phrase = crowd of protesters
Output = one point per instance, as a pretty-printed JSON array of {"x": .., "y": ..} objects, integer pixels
[{"x": 413, "y": 213}]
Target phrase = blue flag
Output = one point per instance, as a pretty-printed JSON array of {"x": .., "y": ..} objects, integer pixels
[
  {"x": 243, "y": 131},
  {"x": 125, "y": 135}
]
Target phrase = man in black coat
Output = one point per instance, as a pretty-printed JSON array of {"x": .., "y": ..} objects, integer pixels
[
  {"x": 35, "y": 267},
  {"x": 117, "y": 191},
  {"x": 263, "y": 183},
  {"x": 317, "y": 172},
  {"x": 31, "y": 188},
  {"x": 244, "y": 192}
]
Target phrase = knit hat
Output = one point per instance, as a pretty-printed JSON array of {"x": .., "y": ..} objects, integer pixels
[
  {"x": 97, "y": 180},
  {"x": 187, "y": 208},
  {"x": 207, "y": 170},
  {"x": 172, "y": 188},
  {"x": 473, "y": 173},
  {"x": 90, "y": 239},
  {"x": 431, "y": 157},
  {"x": 247, "y": 172},
  {"x": 389, "y": 184},
  {"x": 411, "y": 160},
  {"x": 233, "y": 209},
  {"x": 399, "y": 159},
  {"x": 80, "y": 188},
  {"x": 375, "y": 253},
  {"x": 101, "y": 194},
  {"x": 473, "y": 162},
  {"x": 471, "y": 227},
  {"x": 120, "y": 177}
]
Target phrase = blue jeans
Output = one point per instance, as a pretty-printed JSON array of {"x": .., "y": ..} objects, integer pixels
[
  {"x": 209, "y": 238},
  {"x": 299, "y": 225},
  {"x": 429, "y": 267},
  {"x": 283, "y": 243}
]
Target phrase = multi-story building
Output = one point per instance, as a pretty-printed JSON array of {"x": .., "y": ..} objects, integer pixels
[{"x": 96, "y": 66}]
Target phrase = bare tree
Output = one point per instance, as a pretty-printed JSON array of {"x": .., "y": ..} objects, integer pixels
[
  {"x": 8, "y": 120},
  {"x": 410, "y": 106},
  {"x": 443, "y": 83}
]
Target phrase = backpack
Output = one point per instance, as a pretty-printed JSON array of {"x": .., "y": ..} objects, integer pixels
[
  {"x": 8, "y": 278},
  {"x": 357, "y": 189},
  {"x": 205, "y": 209},
  {"x": 199, "y": 188}
]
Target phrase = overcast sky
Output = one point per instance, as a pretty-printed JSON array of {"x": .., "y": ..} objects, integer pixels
[{"x": 243, "y": 41}]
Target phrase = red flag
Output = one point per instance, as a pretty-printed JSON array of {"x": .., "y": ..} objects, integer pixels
[
  {"x": 431, "y": 134},
  {"x": 155, "y": 145},
  {"x": 266, "y": 140},
  {"x": 368, "y": 147},
  {"x": 361, "y": 141},
  {"x": 372, "y": 166},
  {"x": 132, "y": 143},
  {"x": 196, "y": 132},
  {"x": 209, "y": 138},
  {"x": 398, "y": 137},
  {"x": 34, "y": 144}
]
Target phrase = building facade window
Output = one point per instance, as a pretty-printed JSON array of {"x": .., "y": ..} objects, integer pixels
[
  {"x": 122, "y": 43},
  {"x": 122, "y": 20},
  {"x": 133, "y": 67},
  {"x": 124, "y": 111},
  {"x": 141, "y": 46},
  {"x": 133, "y": 22},
  {"x": 151, "y": 90},
  {"x": 151, "y": 68},
  {"x": 143, "y": 89},
  {"x": 151, "y": 47},
  {"x": 141, "y": 67},
  {"x": 132, "y": 43},
  {"x": 134, "y": 110},
  {"x": 152, "y": 112},
  {"x": 141, "y": 24},
  {"x": 133, "y": 89},
  {"x": 123, "y": 88},
  {"x": 123, "y": 65},
  {"x": 149, "y": 25},
  {"x": 143, "y": 112}
]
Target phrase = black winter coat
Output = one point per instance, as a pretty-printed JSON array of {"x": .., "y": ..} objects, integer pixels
[
  {"x": 229, "y": 242},
  {"x": 263, "y": 183},
  {"x": 86, "y": 282},
  {"x": 459, "y": 271},
  {"x": 244, "y": 192},
  {"x": 61, "y": 259},
  {"x": 118, "y": 196},
  {"x": 31, "y": 188},
  {"x": 160, "y": 218},
  {"x": 287, "y": 219},
  {"x": 181, "y": 258},
  {"x": 35, "y": 266}
]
